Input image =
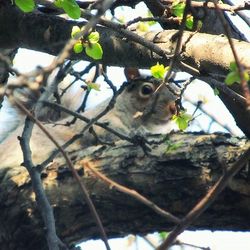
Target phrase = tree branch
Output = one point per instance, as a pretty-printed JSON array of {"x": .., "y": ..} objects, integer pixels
[
  {"x": 51, "y": 33},
  {"x": 175, "y": 181},
  {"x": 54, "y": 243}
]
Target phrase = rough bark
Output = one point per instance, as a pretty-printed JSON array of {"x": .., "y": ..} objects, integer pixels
[{"x": 174, "y": 180}]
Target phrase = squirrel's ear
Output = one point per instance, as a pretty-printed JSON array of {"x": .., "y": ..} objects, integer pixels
[{"x": 131, "y": 73}]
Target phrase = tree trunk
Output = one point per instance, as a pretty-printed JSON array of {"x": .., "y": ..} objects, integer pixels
[{"x": 175, "y": 177}]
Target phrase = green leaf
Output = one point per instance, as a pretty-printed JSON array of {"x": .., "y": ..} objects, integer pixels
[
  {"x": 246, "y": 75},
  {"x": 58, "y": 3},
  {"x": 143, "y": 27},
  {"x": 178, "y": 9},
  {"x": 232, "y": 78},
  {"x": 94, "y": 37},
  {"x": 149, "y": 14},
  {"x": 25, "y": 5},
  {"x": 70, "y": 7},
  {"x": 216, "y": 91},
  {"x": 158, "y": 71},
  {"x": 94, "y": 51},
  {"x": 75, "y": 31},
  {"x": 78, "y": 47},
  {"x": 151, "y": 23},
  {"x": 163, "y": 235},
  {"x": 233, "y": 66},
  {"x": 190, "y": 22},
  {"x": 182, "y": 120},
  {"x": 94, "y": 86}
]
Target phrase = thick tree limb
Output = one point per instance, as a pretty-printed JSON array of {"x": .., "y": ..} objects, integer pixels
[
  {"x": 206, "y": 53},
  {"x": 175, "y": 180}
]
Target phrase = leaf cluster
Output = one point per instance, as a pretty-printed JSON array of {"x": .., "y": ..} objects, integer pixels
[{"x": 92, "y": 46}]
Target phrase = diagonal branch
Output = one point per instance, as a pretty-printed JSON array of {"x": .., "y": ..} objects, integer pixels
[
  {"x": 42, "y": 201},
  {"x": 112, "y": 184}
]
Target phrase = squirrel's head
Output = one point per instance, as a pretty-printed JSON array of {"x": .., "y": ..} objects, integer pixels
[{"x": 148, "y": 100}]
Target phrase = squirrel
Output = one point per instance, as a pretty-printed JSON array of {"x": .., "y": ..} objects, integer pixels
[{"x": 142, "y": 106}]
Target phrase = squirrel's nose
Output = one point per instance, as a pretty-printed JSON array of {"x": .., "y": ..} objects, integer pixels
[{"x": 172, "y": 108}]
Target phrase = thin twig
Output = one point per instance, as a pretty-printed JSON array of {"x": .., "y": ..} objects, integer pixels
[
  {"x": 132, "y": 140},
  {"x": 214, "y": 119},
  {"x": 7, "y": 63},
  {"x": 87, "y": 120},
  {"x": 112, "y": 101},
  {"x": 149, "y": 241},
  {"x": 112, "y": 184},
  {"x": 87, "y": 92},
  {"x": 178, "y": 46},
  {"x": 131, "y": 36},
  {"x": 178, "y": 242},
  {"x": 143, "y": 19},
  {"x": 179, "y": 41},
  {"x": 223, "y": 88},
  {"x": 244, "y": 84},
  {"x": 108, "y": 107}
]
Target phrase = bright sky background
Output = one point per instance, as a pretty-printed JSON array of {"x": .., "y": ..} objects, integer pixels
[{"x": 28, "y": 60}]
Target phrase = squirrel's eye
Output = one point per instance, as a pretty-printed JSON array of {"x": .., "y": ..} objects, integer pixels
[{"x": 146, "y": 89}]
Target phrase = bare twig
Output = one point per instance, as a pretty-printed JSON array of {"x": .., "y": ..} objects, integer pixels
[
  {"x": 179, "y": 41},
  {"x": 178, "y": 46},
  {"x": 244, "y": 84},
  {"x": 112, "y": 184},
  {"x": 180, "y": 243},
  {"x": 78, "y": 76},
  {"x": 136, "y": 140},
  {"x": 131, "y": 36},
  {"x": 150, "y": 241},
  {"x": 92, "y": 79},
  {"x": 87, "y": 92},
  {"x": 217, "y": 119},
  {"x": 149, "y": 19},
  {"x": 224, "y": 88},
  {"x": 87, "y": 120},
  {"x": 111, "y": 104}
]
